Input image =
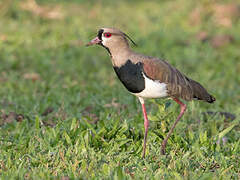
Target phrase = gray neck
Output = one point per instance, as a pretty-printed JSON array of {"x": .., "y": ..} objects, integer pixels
[{"x": 119, "y": 56}]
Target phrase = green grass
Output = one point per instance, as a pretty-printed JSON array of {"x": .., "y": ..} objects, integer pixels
[{"x": 94, "y": 128}]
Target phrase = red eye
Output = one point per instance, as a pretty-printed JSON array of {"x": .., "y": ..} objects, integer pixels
[{"x": 107, "y": 35}]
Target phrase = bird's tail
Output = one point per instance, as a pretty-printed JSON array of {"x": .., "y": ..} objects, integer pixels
[{"x": 200, "y": 93}]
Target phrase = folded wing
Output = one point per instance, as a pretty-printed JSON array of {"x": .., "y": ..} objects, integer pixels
[{"x": 178, "y": 85}]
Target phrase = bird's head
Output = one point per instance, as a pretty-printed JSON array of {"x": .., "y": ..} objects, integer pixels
[{"x": 111, "y": 38}]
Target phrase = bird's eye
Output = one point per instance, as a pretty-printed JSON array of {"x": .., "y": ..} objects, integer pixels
[{"x": 107, "y": 35}]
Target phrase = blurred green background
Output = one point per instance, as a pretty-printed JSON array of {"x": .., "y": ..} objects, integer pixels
[{"x": 64, "y": 114}]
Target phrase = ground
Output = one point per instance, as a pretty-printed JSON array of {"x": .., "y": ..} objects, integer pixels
[{"x": 65, "y": 115}]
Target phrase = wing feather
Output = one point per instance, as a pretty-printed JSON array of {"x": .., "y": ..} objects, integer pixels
[{"x": 178, "y": 85}]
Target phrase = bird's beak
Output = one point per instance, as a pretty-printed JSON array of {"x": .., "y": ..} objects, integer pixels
[{"x": 96, "y": 40}]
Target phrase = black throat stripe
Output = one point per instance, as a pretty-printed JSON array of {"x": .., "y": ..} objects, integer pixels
[
  {"x": 131, "y": 75},
  {"x": 100, "y": 34}
]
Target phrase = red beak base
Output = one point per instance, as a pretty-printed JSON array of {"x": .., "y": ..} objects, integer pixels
[{"x": 96, "y": 40}]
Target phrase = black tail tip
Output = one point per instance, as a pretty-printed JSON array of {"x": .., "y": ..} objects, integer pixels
[{"x": 211, "y": 99}]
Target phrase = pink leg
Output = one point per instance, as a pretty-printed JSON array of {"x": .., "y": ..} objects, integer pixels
[
  {"x": 146, "y": 125},
  {"x": 183, "y": 108}
]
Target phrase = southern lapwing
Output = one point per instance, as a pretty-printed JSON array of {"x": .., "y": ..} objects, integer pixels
[{"x": 148, "y": 77}]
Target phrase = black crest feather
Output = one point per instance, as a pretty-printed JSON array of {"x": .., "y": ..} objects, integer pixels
[{"x": 129, "y": 39}]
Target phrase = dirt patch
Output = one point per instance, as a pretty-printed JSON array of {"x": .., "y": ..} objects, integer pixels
[
  {"x": 226, "y": 115},
  {"x": 42, "y": 11},
  {"x": 10, "y": 117},
  {"x": 221, "y": 40},
  {"x": 91, "y": 117},
  {"x": 32, "y": 76},
  {"x": 47, "y": 111}
]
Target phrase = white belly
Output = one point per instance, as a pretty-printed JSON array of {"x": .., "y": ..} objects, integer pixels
[{"x": 153, "y": 89}]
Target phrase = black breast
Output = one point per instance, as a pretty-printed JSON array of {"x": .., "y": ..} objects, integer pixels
[{"x": 131, "y": 75}]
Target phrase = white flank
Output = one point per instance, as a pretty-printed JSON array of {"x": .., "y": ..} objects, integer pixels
[{"x": 153, "y": 89}]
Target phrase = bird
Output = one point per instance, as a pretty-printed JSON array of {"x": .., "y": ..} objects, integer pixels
[{"x": 148, "y": 77}]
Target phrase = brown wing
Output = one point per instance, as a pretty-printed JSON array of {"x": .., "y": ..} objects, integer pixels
[{"x": 178, "y": 85}]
